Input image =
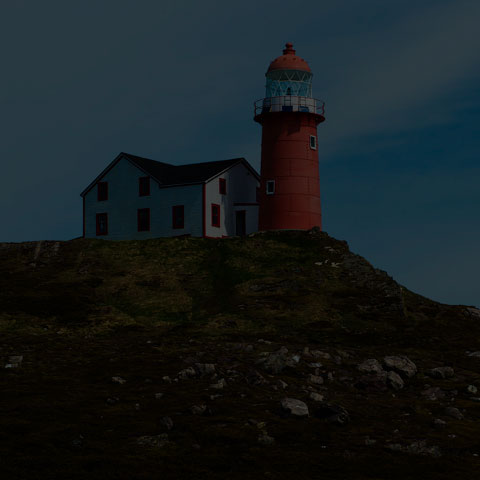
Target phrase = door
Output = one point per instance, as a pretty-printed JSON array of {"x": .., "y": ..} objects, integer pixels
[{"x": 240, "y": 223}]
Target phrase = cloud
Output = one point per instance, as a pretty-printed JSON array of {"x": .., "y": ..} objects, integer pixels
[{"x": 402, "y": 76}]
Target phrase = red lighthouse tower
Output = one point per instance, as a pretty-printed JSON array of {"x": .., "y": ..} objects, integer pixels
[{"x": 289, "y": 194}]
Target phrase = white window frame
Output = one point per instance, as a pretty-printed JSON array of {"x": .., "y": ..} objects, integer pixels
[
  {"x": 270, "y": 183},
  {"x": 314, "y": 138}
]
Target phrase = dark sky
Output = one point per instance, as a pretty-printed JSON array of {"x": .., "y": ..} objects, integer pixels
[{"x": 176, "y": 81}]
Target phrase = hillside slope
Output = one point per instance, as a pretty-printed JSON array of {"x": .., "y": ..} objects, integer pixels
[{"x": 237, "y": 325}]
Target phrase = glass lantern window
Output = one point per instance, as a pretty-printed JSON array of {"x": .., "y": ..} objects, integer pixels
[{"x": 289, "y": 82}]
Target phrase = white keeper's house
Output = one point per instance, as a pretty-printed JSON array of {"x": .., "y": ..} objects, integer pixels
[{"x": 138, "y": 198}]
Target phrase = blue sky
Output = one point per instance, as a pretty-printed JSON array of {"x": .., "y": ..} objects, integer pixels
[{"x": 176, "y": 81}]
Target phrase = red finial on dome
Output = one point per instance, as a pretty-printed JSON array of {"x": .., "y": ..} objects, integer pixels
[
  {"x": 288, "y": 50},
  {"x": 289, "y": 61}
]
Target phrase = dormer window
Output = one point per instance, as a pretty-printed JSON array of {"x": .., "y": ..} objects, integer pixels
[
  {"x": 144, "y": 186},
  {"x": 102, "y": 191},
  {"x": 222, "y": 186}
]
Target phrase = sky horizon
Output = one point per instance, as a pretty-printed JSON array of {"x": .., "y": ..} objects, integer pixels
[{"x": 176, "y": 82}]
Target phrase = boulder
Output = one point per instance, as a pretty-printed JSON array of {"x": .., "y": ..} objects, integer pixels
[
  {"x": 205, "y": 368},
  {"x": 371, "y": 365},
  {"x": 118, "y": 380},
  {"x": 400, "y": 364},
  {"x": 394, "y": 380},
  {"x": 295, "y": 407},
  {"x": 315, "y": 379},
  {"x": 265, "y": 439},
  {"x": 332, "y": 413},
  {"x": 472, "y": 389},
  {"x": 433, "y": 393},
  {"x": 186, "y": 373},
  {"x": 153, "y": 440},
  {"x": 454, "y": 413},
  {"x": 441, "y": 372}
]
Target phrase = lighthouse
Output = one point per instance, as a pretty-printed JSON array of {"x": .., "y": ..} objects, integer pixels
[{"x": 289, "y": 193}]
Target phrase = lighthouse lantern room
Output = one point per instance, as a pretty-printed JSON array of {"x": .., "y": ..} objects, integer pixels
[{"x": 289, "y": 195}]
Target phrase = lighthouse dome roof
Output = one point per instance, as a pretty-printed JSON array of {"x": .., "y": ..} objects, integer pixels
[{"x": 289, "y": 61}]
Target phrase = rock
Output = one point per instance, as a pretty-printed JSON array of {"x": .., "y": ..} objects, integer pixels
[
  {"x": 396, "y": 447},
  {"x": 454, "y": 413},
  {"x": 166, "y": 422},
  {"x": 205, "y": 368},
  {"x": 281, "y": 384},
  {"x": 198, "y": 409},
  {"x": 186, "y": 373},
  {"x": 472, "y": 389},
  {"x": 153, "y": 440},
  {"x": 118, "y": 380},
  {"x": 337, "y": 359},
  {"x": 265, "y": 439},
  {"x": 112, "y": 401},
  {"x": 78, "y": 441},
  {"x": 332, "y": 413},
  {"x": 438, "y": 423},
  {"x": 315, "y": 365},
  {"x": 441, "y": 372},
  {"x": 219, "y": 385},
  {"x": 14, "y": 361},
  {"x": 295, "y": 407},
  {"x": 167, "y": 379},
  {"x": 474, "y": 354},
  {"x": 275, "y": 362},
  {"x": 394, "y": 380},
  {"x": 433, "y": 393},
  {"x": 320, "y": 354},
  {"x": 473, "y": 312},
  {"x": 315, "y": 379},
  {"x": 474, "y": 399},
  {"x": 158, "y": 396},
  {"x": 369, "y": 441},
  {"x": 295, "y": 359},
  {"x": 249, "y": 348},
  {"x": 316, "y": 397},
  {"x": 253, "y": 377},
  {"x": 420, "y": 448},
  {"x": 370, "y": 366},
  {"x": 401, "y": 364}
]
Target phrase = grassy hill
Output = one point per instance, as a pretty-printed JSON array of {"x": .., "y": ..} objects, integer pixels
[{"x": 84, "y": 312}]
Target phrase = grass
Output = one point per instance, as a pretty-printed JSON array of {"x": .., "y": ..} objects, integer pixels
[{"x": 83, "y": 311}]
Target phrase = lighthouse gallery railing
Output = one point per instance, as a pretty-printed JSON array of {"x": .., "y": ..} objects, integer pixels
[{"x": 289, "y": 103}]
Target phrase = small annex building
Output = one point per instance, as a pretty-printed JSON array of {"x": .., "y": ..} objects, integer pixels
[{"x": 138, "y": 198}]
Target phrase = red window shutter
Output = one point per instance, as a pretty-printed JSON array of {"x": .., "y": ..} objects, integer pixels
[
  {"x": 215, "y": 215},
  {"x": 222, "y": 186}
]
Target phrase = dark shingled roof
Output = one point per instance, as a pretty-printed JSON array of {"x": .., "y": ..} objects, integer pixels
[{"x": 167, "y": 174}]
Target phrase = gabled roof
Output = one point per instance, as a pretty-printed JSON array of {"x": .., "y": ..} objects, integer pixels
[{"x": 168, "y": 175}]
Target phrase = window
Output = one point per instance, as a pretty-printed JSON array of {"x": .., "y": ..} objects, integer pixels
[
  {"x": 313, "y": 142},
  {"x": 270, "y": 187},
  {"x": 102, "y": 191},
  {"x": 102, "y": 224},
  {"x": 143, "y": 219},
  {"x": 215, "y": 215},
  {"x": 144, "y": 186},
  {"x": 178, "y": 218},
  {"x": 222, "y": 186}
]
